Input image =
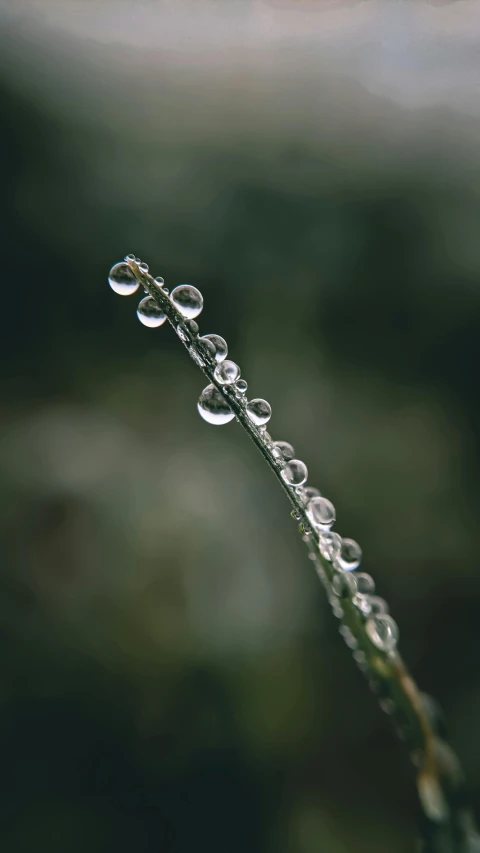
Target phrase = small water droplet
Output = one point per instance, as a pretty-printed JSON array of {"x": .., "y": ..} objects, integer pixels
[
  {"x": 285, "y": 448},
  {"x": 241, "y": 386},
  {"x": 329, "y": 544},
  {"x": 130, "y": 258},
  {"x": 227, "y": 372},
  {"x": 150, "y": 314},
  {"x": 309, "y": 492},
  {"x": 321, "y": 513},
  {"x": 159, "y": 281},
  {"x": 187, "y": 300},
  {"x": 207, "y": 347},
  {"x": 383, "y": 632},
  {"x": 259, "y": 411},
  {"x": 349, "y": 556},
  {"x": 192, "y": 326},
  {"x": 365, "y": 583},
  {"x": 143, "y": 267},
  {"x": 220, "y": 348},
  {"x": 361, "y": 603},
  {"x": 138, "y": 261},
  {"x": 122, "y": 280},
  {"x": 213, "y": 407},
  {"x": 296, "y": 514},
  {"x": 344, "y": 585},
  {"x": 378, "y": 606},
  {"x": 295, "y": 473}
]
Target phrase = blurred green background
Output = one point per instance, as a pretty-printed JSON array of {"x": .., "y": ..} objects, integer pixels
[{"x": 171, "y": 677}]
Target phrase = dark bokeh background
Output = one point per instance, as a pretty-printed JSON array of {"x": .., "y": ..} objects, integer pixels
[{"x": 171, "y": 678}]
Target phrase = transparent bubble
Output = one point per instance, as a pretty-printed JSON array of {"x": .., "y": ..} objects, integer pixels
[
  {"x": 309, "y": 492},
  {"x": 150, "y": 314},
  {"x": 192, "y": 327},
  {"x": 295, "y": 473},
  {"x": 122, "y": 280},
  {"x": 383, "y": 632},
  {"x": 220, "y": 348},
  {"x": 349, "y": 556},
  {"x": 213, "y": 408},
  {"x": 259, "y": 411},
  {"x": 285, "y": 448},
  {"x": 241, "y": 386},
  {"x": 344, "y": 585},
  {"x": 365, "y": 583},
  {"x": 187, "y": 300},
  {"x": 321, "y": 513},
  {"x": 329, "y": 544},
  {"x": 227, "y": 372}
]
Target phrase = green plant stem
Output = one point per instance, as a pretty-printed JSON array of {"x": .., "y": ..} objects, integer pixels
[{"x": 447, "y": 823}]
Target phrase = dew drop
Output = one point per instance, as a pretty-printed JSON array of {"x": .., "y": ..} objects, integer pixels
[
  {"x": 241, "y": 386},
  {"x": 187, "y": 300},
  {"x": 349, "y": 556},
  {"x": 122, "y": 280},
  {"x": 383, "y": 632},
  {"x": 192, "y": 326},
  {"x": 309, "y": 492},
  {"x": 227, "y": 372},
  {"x": 321, "y": 513},
  {"x": 159, "y": 281},
  {"x": 285, "y": 448},
  {"x": 143, "y": 267},
  {"x": 130, "y": 258},
  {"x": 329, "y": 544},
  {"x": 295, "y": 473},
  {"x": 365, "y": 583},
  {"x": 259, "y": 411},
  {"x": 220, "y": 349},
  {"x": 213, "y": 407},
  {"x": 150, "y": 314},
  {"x": 378, "y": 606},
  {"x": 344, "y": 585}
]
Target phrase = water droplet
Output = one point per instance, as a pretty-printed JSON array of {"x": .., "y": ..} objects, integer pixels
[
  {"x": 329, "y": 544},
  {"x": 138, "y": 261},
  {"x": 187, "y": 300},
  {"x": 383, "y": 632},
  {"x": 361, "y": 602},
  {"x": 378, "y": 606},
  {"x": 349, "y": 556},
  {"x": 143, "y": 267},
  {"x": 220, "y": 349},
  {"x": 309, "y": 492},
  {"x": 192, "y": 326},
  {"x": 295, "y": 473},
  {"x": 321, "y": 513},
  {"x": 150, "y": 314},
  {"x": 344, "y": 585},
  {"x": 285, "y": 448},
  {"x": 130, "y": 258},
  {"x": 122, "y": 280},
  {"x": 213, "y": 407},
  {"x": 207, "y": 347},
  {"x": 365, "y": 583},
  {"x": 159, "y": 281},
  {"x": 296, "y": 515},
  {"x": 241, "y": 386},
  {"x": 227, "y": 372},
  {"x": 259, "y": 411}
]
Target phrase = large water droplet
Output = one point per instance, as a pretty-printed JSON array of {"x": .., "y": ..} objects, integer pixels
[
  {"x": 122, "y": 280},
  {"x": 321, "y": 513},
  {"x": 349, "y": 556},
  {"x": 220, "y": 348},
  {"x": 295, "y": 473},
  {"x": 383, "y": 632},
  {"x": 187, "y": 300},
  {"x": 259, "y": 411},
  {"x": 285, "y": 449},
  {"x": 150, "y": 314},
  {"x": 329, "y": 544},
  {"x": 213, "y": 408},
  {"x": 227, "y": 372},
  {"x": 365, "y": 583}
]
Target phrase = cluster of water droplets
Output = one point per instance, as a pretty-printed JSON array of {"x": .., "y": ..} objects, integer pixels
[{"x": 214, "y": 406}]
